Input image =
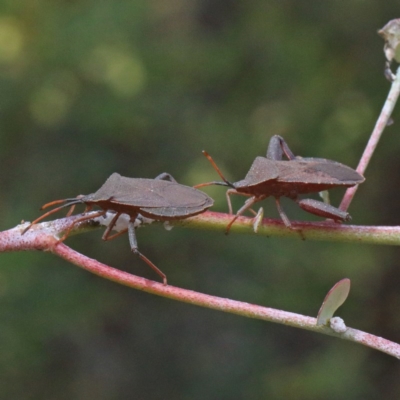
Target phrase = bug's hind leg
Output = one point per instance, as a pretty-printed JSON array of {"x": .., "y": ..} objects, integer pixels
[
  {"x": 165, "y": 176},
  {"x": 323, "y": 210},
  {"x": 277, "y": 147},
  {"x": 286, "y": 220},
  {"x": 135, "y": 250}
]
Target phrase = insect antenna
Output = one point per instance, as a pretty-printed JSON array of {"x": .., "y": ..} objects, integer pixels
[
  {"x": 68, "y": 203},
  {"x": 55, "y": 202},
  {"x": 215, "y": 166}
]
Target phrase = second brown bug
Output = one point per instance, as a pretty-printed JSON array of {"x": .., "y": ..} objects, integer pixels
[{"x": 272, "y": 176}]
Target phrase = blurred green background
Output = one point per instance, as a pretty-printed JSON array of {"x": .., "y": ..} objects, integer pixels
[{"x": 139, "y": 87}]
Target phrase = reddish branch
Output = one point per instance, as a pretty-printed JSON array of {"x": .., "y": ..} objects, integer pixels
[{"x": 45, "y": 237}]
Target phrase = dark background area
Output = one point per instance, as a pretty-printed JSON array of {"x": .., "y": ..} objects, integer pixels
[{"x": 139, "y": 87}]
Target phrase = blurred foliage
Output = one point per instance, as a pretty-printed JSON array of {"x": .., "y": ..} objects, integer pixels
[{"x": 88, "y": 88}]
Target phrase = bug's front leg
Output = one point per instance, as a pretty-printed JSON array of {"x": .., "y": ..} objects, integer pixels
[
  {"x": 323, "y": 210},
  {"x": 246, "y": 206},
  {"x": 81, "y": 219},
  {"x": 228, "y": 194},
  {"x": 277, "y": 147},
  {"x": 135, "y": 250},
  {"x": 282, "y": 213}
]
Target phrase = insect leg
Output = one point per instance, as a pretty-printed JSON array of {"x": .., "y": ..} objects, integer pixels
[
  {"x": 81, "y": 219},
  {"x": 258, "y": 219},
  {"x": 135, "y": 250},
  {"x": 228, "y": 200},
  {"x": 107, "y": 236},
  {"x": 54, "y": 210},
  {"x": 286, "y": 220},
  {"x": 248, "y": 203},
  {"x": 284, "y": 217},
  {"x": 165, "y": 176},
  {"x": 109, "y": 228},
  {"x": 277, "y": 147},
  {"x": 256, "y": 214},
  {"x": 323, "y": 210},
  {"x": 71, "y": 210},
  {"x": 229, "y": 192},
  {"x": 116, "y": 234},
  {"x": 88, "y": 208}
]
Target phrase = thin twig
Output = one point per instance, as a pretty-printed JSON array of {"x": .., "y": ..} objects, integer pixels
[
  {"x": 376, "y": 134},
  {"x": 223, "y": 304}
]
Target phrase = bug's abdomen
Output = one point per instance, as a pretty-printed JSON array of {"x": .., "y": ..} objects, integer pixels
[
  {"x": 280, "y": 189},
  {"x": 170, "y": 213}
]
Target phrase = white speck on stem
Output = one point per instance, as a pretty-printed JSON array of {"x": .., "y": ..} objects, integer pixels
[{"x": 337, "y": 324}]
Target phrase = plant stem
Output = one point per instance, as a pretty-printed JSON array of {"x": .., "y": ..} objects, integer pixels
[
  {"x": 44, "y": 239},
  {"x": 45, "y": 236},
  {"x": 326, "y": 231}
]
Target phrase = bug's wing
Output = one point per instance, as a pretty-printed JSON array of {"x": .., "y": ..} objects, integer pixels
[
  {"x": 173, "y": 200},
  {"x": 158, "y": 193},
  {"x": 161, "y": 198},
  {"x": 319, "y": 171},
  {"x": 262, "y": 170}
]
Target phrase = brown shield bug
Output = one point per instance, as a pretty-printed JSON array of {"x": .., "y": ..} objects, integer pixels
[
  {"x": 159, "y": 199},
  {"x": 272, "y": 176}
]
